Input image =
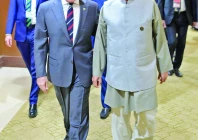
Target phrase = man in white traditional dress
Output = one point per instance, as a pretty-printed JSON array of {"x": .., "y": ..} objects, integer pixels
[{"x": 130, "y": 39}]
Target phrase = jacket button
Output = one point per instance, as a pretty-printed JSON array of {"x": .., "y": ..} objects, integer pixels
[{"x": 141, "y": 28}]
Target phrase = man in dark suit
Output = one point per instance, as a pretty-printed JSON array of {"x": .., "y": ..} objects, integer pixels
[
  {"x": 176, "y": 18},
  {"x": 23, "y": 14},
  {"x": 69, "y": 25}
]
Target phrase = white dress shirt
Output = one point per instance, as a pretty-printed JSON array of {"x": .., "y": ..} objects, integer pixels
[
  {"x": 32, "y": 13},
  {"x": 76, "y": 9}
]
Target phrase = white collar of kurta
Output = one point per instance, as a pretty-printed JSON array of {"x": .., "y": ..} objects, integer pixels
[{"x": 64, "y": 2}]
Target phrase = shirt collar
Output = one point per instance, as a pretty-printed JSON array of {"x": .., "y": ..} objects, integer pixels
[{"x": 64, "y": 2}]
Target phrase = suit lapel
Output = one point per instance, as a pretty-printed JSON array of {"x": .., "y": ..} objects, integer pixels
[
  {"x": 187, "y": 3},
  {"x": 59, "y": 14},
  {"x": 83, "y": 15}
]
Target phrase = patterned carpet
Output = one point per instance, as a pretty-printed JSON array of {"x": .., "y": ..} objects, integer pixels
[{"x": 177, "y": 117}]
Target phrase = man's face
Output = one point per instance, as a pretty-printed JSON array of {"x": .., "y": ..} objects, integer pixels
[{"x": 70, "y": 1}]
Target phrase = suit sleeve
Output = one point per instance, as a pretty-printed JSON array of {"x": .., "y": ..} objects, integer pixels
[
  {"x": 40, "y": 44},
  {"x": 99, "y": 55},
  {"x": 161, "y": 47},
  {"x": 161, "y": 7},
  {"x": 96, "y": 23},
  {"x": 12, "y": 13},
  {"x": 194, "y": 3},
  {"x": 196, "y": 11}
]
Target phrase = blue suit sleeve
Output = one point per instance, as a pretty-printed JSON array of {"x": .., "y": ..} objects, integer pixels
[
  {"x": 12, "y": 13},
  {"x": 161, "y": 7}
]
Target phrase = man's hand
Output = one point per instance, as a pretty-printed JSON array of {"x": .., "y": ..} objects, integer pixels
[
  {"x": 162, "y": 77},
  {"x": 42, "y": 83},
  {"x": 195, "y": 25},
  {"x": 96, "y": 81},
  {"x": 8, "y": 40},
  {"x": 164, "y": 23}
]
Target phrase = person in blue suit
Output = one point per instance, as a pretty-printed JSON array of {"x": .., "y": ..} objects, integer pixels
[
  {"x": 106, "y": 109},
  {"x": 22, "y": 13}
]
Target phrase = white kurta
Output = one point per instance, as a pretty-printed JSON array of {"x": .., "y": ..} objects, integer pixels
[{"x": 124, "y": 42}]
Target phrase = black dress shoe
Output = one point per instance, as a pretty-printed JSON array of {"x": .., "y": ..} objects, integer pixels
[
  {"x": 178, "y": 73},
  {"x": 105, "y": 113},
  {"x": 33, "y": 111},
  {"x": 171, "y": 72}
]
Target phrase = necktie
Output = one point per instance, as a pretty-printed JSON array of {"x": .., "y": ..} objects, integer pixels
[
  {"x": 70, "y": 21},
  {"x": 28, "y": 9}
]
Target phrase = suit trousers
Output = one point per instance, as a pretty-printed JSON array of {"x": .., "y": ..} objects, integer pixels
[
  {"x": 26, "y": 49},
  {"x": 144, "y": 129},
  {"x": 179, "y": 27},
  {"x": 74, "y": 102}
]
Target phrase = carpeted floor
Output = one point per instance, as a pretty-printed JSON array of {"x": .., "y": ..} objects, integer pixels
[{"x": 177, "y": 117}]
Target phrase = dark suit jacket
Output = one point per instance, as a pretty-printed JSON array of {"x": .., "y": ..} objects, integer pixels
[
  {"x": 63, "y": 54},
  {"x": 167, "y": 10},
  {"x": 16, "y": 14},
  {"x": 195, "y": 10}
]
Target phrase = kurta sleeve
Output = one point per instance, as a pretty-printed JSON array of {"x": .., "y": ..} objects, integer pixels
[
  {"x": 161, "y": 46},
  {"x": 99, "y": 54}
]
